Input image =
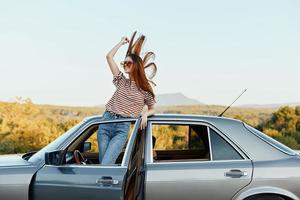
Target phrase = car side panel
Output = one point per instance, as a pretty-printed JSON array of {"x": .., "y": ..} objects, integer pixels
[
  {"x": 77, "y": 182},
  {"x": 198, "y": 180},
  {"x": 277, "y": 176},
  {"x": 15, "y": 182}
]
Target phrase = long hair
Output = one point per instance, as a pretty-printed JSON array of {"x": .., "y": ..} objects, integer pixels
[{"x": 141, "y": 79}]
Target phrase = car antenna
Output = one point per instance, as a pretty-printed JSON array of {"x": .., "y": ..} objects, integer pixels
[{"x": 220, "y": 115}]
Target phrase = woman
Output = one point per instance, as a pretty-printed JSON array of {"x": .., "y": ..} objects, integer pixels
[{"x": 133, "y": 97}]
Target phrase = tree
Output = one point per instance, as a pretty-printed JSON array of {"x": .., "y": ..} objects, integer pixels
[
  {"x": 284, "y": 126},
  {"x": 284, "y": 120},
  {"x": 298, "y": 114},
  {"x": 297, "y": 110}
]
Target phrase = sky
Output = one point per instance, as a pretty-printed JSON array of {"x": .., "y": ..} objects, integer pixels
[{"x": 53, "y": 51}]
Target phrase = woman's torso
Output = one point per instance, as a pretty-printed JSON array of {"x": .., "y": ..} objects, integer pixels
[{"x": 128, "y": 99}]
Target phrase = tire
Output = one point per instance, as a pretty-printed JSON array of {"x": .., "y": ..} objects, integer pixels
[{"x": 265, "y": 197}]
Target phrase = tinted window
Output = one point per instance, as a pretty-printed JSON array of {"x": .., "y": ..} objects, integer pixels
[
  {"x": 270, "y": 140},
  {"x": 221, "y": 150},
  {"x": 180, "y": 142}
]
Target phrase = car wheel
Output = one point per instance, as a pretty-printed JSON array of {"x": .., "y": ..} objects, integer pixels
[{"x": 265, "y": 197}]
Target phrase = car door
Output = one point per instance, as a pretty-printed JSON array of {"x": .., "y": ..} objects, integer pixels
[
  {"x": 77, "y": 182},
  {"x": 216, "y": 170}
]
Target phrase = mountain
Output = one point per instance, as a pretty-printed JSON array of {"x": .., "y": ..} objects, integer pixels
[{"x": 172, "y": 99}]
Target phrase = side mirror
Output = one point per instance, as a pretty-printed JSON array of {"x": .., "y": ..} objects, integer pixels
[
  {"x": 87, "y": 146},
  {"x": 55, "y": 157}
]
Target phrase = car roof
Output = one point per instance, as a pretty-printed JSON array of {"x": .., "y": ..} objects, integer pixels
[{"x": 171, "y": 116}]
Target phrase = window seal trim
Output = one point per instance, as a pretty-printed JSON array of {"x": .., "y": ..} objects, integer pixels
[
  {"x": 236, "y": 147},
  {"x": 87, "y": 166},
  {"x": 209, "y": 143},
  {"x": 197, "y": 162},
  {"x": 99, "y": 121}
]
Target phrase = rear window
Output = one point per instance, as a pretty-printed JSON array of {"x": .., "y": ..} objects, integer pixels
[
  {"x": 271, "y": 141},
  {"x": 221, "y": 150}
]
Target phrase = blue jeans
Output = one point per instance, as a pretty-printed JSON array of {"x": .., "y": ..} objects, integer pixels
[{"x": 111, "y": 138}]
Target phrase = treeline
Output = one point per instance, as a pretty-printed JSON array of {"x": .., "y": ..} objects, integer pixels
[
  {"x": 284, "y": 126},
  {"x": 25, "y": 126}
]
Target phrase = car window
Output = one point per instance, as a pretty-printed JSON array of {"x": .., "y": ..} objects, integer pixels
[
  {"x": 93, "y": 141},
  {"x": 221, "y": 150},
  {"x": 87, "y": 142},
  {"x": 54, "y": 144},
  {"x": 179, "y": 142},
  {"x": 189, "y": 142},
  {"x": 270, "y": 140}
]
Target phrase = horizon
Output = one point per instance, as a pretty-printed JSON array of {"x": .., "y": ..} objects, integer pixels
[
  {"x": 269, "y": 105},
  {"x": 54, "y": 53}
]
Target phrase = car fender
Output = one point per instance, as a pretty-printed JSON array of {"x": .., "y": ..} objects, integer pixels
[
  {"x": 263, "y": 190},
  {"x": 15, "y": 177}
]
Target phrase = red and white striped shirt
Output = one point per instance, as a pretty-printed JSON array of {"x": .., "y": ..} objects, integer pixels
[{"x": 128, "y": 100}]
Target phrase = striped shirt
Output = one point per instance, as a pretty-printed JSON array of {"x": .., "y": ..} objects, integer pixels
[{"x": 128, "y": 100}]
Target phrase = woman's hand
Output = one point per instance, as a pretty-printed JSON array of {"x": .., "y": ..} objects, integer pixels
[
  {"x": 124, "y": 40},
  {"x": 145, "y": 113},
  {"x": 144, "y": 121}
]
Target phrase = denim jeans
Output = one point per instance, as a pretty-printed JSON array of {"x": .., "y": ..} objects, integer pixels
[{"x": 111, "y": 138}]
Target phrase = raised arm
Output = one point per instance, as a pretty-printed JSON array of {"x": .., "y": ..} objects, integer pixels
[{"x": 110, "y": 56}]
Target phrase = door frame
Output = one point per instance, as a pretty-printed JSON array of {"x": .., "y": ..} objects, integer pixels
[
  {"x": 244, "y": 162},
  {"x": 81, "y": 130},
  {"x": 84, "y": 127},
  {"x": 149, "y": 145}
]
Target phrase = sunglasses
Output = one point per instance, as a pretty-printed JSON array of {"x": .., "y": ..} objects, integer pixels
[{"x": 126, "y": 63}]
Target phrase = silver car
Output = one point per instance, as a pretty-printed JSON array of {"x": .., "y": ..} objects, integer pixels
[{"x": 175, "y": 157}]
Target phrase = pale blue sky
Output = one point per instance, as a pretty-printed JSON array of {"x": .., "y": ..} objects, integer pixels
[{"x": 54, "y": 51}]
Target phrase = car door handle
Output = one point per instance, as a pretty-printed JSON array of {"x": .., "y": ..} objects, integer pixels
[
  {"x": 107, "y": 181},
  {"x": 235, "y": 173}
]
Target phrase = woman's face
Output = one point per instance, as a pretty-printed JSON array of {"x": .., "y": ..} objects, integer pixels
[{"x": 128, "y": 64}]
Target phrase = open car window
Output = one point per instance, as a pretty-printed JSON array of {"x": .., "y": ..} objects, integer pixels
[
  {"x": 180, "y": 142},
  {"x": 189, "y": 142},
  {"x": 87, "y": 144}
]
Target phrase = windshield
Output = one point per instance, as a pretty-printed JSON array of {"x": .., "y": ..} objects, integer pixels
[
  {"x": 271, "y": 141},
  {"x": 53, "y": 145}
]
